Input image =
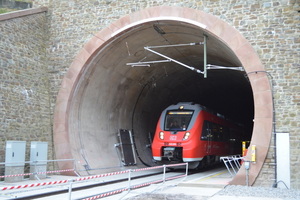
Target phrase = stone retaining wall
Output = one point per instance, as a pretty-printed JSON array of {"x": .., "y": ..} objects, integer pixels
[{"x": 24, "y": 87}]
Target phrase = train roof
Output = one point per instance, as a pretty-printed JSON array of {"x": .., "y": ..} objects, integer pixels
[
  {"x": 189, "y": 105},
  {"x": 192, "y": 105}
]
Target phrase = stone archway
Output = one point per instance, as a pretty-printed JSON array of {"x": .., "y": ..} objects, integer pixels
[{"x": 224, "y": 32}]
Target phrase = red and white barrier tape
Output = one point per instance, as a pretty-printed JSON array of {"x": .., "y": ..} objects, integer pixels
[
  {"x": 48, "y": 172},
  {"x": 15, "y": 175},
  {"x": 106, "y": 194},
  {"x": 158, "y": 167},
  {"x": 33, "y": 185},
  {"x": 174, "y": 177},
  {"x": 174, "y": 165},
  {"x": 62, "y": 181},
  {"x": 133, "y": 187},
  {"x": 146, "y": 184},
  {"x": 147, "y": 168},
  {"x": 57, "y": 171},
  {"x": 80, "y": 179},
  {"x": 101, "y": 175}
]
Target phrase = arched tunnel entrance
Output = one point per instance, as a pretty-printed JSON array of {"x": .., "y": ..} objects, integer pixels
[{"x": 101, "y": 93}]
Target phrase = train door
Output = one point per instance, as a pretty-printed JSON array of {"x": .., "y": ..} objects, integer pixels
[{"x": 209, "y": 138}]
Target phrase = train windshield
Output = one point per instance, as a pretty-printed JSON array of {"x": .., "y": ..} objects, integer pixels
[{"x": 178, "y": 120}]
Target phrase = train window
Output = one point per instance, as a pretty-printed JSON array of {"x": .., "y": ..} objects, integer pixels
[
  {"x": 214, "y": 132},
  {"x": 206, "y": 130},
  {"x": 225, "y": 133},
  {"x": 178, "y": 120}
]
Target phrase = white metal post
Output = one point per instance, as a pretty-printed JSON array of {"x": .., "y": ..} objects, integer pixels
[
  {"x": 164, "y": 175},
  {"x": 187, "y": 169},
  {"x": 205, "y": 57},
  {"x": 129, "y": 179},
  {"x": 70, "y": 188}
]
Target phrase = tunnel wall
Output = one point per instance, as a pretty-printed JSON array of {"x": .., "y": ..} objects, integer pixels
[
  {"x": 271, "y": 27},
  {"x": 24, "y": 91}
]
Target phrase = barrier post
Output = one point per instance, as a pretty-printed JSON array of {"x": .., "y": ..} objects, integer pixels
[
  {"x": 74, "y": 168},
  {"x": 70, "y": 188},
  {"x": 129, "y": 180},
  {"x": 34, "y": 172},
  {"x": 187, "y": 168},
  {"x": 164, "y": 174},
  {"x": 247, "y": 167}
]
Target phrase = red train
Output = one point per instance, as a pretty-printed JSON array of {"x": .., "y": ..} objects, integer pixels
[{"x": 188, "y": 132}]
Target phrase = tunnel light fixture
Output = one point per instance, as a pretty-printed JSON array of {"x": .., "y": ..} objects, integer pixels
[
  {"x": 147, "y": 63},
  {"x": 175, "y": 45},
  {"x": 140, "y": 65},
  {"x": 209, "y": 66}
]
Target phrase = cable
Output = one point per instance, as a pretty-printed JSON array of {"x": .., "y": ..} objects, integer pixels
[
  {"x": 274, "y": 121},
  {"x": 132, "y": 123}
]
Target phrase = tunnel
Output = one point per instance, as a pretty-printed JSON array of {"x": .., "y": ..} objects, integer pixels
[{"x": 107, "y": 88}]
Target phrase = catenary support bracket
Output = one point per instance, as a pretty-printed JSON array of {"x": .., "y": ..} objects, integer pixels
[{"x": 169, "y": 59}]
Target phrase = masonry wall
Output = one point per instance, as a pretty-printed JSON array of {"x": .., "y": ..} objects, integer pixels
[
  {"x": 271, "y": 26},
  {"x": 24, "y": 87}
]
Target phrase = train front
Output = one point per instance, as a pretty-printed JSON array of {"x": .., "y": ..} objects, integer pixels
[{"x": 177, "y": 134}]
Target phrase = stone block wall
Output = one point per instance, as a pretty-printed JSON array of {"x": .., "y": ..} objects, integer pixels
[
  {"x": 271, "y": 26},
  {"x": 24, "y": 84}
]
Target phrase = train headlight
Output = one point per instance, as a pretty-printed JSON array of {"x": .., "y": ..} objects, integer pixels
[
  {"x": 186, "y": 135},
  {"x": 161, "y": 135}
]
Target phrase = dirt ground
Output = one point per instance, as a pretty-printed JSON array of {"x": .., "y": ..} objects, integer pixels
[{"x": 165, "y": 197}]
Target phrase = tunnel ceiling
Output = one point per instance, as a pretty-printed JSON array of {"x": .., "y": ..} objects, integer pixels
[{"x": 226, "y": 91}]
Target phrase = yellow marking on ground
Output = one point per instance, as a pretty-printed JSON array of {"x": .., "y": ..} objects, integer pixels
[{"x": 214, "y": 175}]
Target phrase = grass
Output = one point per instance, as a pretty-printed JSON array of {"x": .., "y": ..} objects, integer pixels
[{"x": 5, "y": 10}]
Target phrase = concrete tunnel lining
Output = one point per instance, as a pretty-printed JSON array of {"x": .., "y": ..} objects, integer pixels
[{"x": 75, "y": 108}]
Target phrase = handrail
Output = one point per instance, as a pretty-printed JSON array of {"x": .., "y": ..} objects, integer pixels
[
  {"x": 232, "y": 163},
  {"x": 128, "y": 188},
  {"x": 131, "y": 187}
]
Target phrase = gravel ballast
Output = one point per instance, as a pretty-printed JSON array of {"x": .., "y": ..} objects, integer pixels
[
  {"x": 233, "y": 190},
  {"x": 230, "y": 190}
]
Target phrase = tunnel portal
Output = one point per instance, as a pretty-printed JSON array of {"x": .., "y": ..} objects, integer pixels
[
  {"x": 101, "y": 93},
  {"x": 113, "y": 95}
]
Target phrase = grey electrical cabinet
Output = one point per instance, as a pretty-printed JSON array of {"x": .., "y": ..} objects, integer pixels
[
  {"x": 15, "y": 153},
  {"x": 39, "y": 152},
  {"x": 14, "y": 160},
  {"x": 38, "y": 159}
]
